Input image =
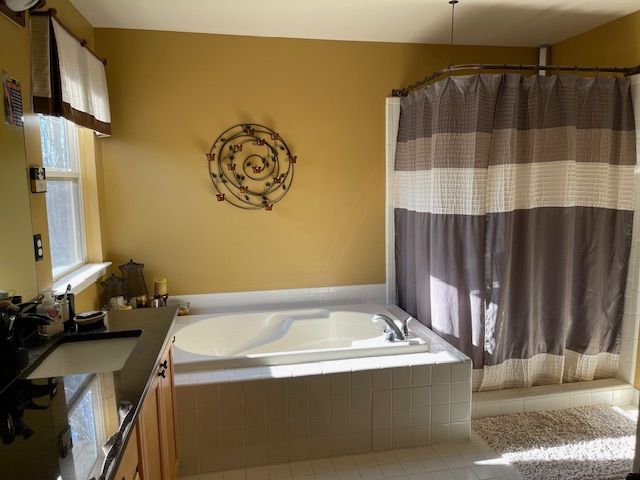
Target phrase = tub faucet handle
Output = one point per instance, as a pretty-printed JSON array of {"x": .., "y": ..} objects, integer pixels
[
  {"x": 389, "y": 335},
  {"x": 405, "y": 326},
  {"x": 394, "y": 332}
]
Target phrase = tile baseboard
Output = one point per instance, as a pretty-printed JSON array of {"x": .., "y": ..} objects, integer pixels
[{"x": 611, "y": 391}]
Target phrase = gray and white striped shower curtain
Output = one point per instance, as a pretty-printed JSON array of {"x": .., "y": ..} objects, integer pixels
[{"x": 513, "y": 215}]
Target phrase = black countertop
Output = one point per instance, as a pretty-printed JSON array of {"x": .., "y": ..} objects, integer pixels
[{"x": 59, "y": 426}]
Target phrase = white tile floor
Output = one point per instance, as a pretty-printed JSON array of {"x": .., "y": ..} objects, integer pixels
[{"x": 473, "y": 460}]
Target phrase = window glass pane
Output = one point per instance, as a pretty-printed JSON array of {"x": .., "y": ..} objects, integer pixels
[
  {"x": 72, "y": 385},
  {"x": 84, "y": 433},
  {"x": 55, "y": 144},
  {"x": 65, "y": 227}
]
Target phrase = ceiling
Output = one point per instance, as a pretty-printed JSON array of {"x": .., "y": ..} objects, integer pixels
[{"x": 478, "y": 22}]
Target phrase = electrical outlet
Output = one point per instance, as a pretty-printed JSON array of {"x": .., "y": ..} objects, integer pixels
[{"x": 38, "y": 248}]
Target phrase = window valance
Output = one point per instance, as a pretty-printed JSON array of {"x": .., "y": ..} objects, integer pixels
[{"x": 67, "y": 80}]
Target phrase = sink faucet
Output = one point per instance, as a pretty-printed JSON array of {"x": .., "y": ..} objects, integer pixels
[
  {"x": 26, "y": 325},
  {"x": 395, "y": 333}
]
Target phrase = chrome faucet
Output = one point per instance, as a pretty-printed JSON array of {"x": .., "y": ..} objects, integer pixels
[{"x": 394, "y": 333}]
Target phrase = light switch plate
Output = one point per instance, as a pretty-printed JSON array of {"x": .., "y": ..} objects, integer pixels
[{"x": 38, "y": 179}]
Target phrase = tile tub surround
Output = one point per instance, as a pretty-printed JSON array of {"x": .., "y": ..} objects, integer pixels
[
  {"x": 276, "y": 299},
  {"x": 240, "y": 424}
]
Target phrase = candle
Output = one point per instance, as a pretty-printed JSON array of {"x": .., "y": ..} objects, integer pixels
[{"x": 160, "y": 287}]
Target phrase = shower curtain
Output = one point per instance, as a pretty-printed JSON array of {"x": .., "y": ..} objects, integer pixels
[{"x": 513, "y": 212}]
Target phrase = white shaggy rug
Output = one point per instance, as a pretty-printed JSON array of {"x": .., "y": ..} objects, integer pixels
[{"x": 593, "y": 442}]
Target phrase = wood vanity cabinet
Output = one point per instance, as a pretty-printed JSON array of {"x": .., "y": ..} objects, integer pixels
[
  {"x": 156, "y": 427},
  {"x": 128, "y": 468},
  {"x": 167, "y": 417}
]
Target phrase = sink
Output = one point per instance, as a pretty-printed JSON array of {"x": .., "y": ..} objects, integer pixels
[{"x": 87, "y": 356}]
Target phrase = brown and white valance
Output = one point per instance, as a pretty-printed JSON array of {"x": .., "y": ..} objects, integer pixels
[{"x": 66, "y": 79}]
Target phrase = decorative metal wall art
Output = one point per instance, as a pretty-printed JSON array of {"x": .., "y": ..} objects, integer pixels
[{"x": 251, "y": 166}]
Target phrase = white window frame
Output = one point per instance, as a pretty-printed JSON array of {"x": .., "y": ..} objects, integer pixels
[{"x": 74, "y": 175}]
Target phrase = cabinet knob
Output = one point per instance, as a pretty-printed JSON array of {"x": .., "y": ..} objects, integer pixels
[{"x": 163, "y": 374}]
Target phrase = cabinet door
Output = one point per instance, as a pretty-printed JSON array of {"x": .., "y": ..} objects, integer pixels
[
  {"x": 167, "y": 417},
  {"x": 128, "y": 468},
  {"x": 149, "y": 437}
]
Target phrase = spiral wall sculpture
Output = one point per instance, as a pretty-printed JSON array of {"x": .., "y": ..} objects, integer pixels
[{"x": 251, "y": 166}]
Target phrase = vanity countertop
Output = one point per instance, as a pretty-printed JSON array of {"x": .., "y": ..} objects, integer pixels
[{"x": 57, "y": 428}]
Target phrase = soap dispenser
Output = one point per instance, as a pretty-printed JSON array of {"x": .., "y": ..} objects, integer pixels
[{"x": 50, "y": 308}]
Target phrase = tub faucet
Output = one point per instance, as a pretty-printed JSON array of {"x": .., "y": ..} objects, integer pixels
[{"x": 395, "y": 333}]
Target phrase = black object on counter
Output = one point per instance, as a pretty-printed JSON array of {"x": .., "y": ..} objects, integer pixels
[
  {"x": 89, "y": 321},
  {"x": 16, "y": 328}
]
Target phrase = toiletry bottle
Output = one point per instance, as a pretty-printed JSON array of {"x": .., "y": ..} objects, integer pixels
[{"x": 50, "y": 307}]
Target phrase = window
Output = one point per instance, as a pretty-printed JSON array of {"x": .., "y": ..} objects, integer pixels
[{"x": 60, "y": 153}]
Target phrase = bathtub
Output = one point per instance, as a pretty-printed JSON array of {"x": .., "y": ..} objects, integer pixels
[
  {"x": 267, "y": 338},
  {"x": 317, "y": 382}
]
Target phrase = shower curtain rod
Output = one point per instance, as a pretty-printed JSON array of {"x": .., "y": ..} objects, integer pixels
[{"x": 403, "y": 92}]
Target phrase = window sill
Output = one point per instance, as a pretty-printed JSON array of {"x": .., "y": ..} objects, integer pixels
[{"x": 81, "y": 278}]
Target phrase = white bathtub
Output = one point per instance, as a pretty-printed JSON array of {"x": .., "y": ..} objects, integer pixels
[{"x": 206, "y": 342}]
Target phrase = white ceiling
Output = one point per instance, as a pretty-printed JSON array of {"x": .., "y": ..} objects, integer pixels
[{"x": 478, "y": 22}]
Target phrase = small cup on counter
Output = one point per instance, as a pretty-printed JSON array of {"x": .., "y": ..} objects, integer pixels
[
  {"x": 51, "y": 329},
  {"x": 142, "y": 301},
  {"x": 184, "y": 308},
  {"x": 117, "y": 303}
]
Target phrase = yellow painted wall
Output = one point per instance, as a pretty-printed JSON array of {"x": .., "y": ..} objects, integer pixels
[
  {"x": 615, "y": 43},
  {"x": 88, "y": 299},
  {"x": 171, "y": 94},
  {"x": 17, "y": 264}
]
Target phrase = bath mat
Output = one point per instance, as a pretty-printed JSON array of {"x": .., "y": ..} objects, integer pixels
[{"x": 591, "y": 442}]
